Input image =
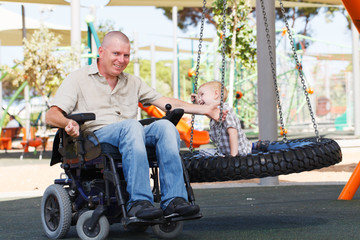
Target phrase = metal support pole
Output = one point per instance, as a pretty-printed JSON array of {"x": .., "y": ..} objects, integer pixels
[
  {"x": 136, "y": 55},
  {"x": 27, "y": 89},
  {"x": 93, "y": 40},
  {"x": 175, "y": 64},
  {"x": 266, "y": 93},
  {"x": 75, "y": 29},
  {"x": 356, "y": 78}
]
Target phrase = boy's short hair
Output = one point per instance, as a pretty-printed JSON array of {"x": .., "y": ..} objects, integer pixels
[{"x": 217, "y": 86}]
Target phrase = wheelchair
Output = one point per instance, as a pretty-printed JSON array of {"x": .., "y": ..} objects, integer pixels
[{"x": 91, "y": 193}]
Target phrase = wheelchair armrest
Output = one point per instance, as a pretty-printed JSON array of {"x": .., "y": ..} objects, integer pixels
[
  {"x": 175, "y": 115},
  {"x": 148, "y": 121},
  {"x": 80, "y": 118}
]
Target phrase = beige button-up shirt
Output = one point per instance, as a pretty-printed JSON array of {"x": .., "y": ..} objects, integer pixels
[{"x": 86, "y": 90}]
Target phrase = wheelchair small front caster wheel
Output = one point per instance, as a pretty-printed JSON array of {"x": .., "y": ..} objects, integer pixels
[
  {"x": 100, "y": 232},
  {"x": 168, "y": 229}
]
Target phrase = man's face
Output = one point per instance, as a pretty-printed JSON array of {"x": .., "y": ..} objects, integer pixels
[{"x": 114, "y": 57}]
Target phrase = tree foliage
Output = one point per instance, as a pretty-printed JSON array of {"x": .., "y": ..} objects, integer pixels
[
  {"x": 237, "y": 22},
  {"x": 189, "y": 16},
  {"x": 240, "y": 39},
  {"x": 42, "y": 67}
]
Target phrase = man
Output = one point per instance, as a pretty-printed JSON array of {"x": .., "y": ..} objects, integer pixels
[{"x": 104, "y": 89}]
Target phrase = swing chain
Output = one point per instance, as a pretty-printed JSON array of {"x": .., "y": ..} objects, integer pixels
[
  {"x": 197, "y": 73},
  {"x": 273, "y": 70},
  {"x": 299, "y": 68},
  {"x": 223, "y": 48}
]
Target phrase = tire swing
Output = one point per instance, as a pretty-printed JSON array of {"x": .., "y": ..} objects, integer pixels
[{"x": 284, "y": 157}]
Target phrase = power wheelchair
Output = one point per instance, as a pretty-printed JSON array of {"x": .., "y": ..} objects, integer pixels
[{"x": 91, "y": 193}]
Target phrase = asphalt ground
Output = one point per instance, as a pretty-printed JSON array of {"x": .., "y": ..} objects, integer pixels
[{"x": 274, "y": 212}]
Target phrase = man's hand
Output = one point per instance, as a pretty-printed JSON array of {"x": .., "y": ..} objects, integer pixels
[
  {"x": 214, "y": 112},
  {"x": 72, "y": 128}
]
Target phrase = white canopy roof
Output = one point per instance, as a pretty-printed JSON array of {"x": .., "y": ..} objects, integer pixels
[
  {"x": 11, "y": 29},
  {"x": 183, "y": 3}
]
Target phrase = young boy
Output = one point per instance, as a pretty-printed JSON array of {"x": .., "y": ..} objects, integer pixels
[{"x": 233, "y": 140}]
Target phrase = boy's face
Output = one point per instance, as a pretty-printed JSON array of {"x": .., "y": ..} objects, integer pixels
[{"x": 206, "y": 95}]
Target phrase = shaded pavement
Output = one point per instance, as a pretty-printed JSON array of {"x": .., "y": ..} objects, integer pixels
[{"x": 276, "y": 212}]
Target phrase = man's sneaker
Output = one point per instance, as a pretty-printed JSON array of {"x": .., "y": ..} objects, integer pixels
[
  {"x": 179, "y": 207},
  {"x": 145, "y": 210}
]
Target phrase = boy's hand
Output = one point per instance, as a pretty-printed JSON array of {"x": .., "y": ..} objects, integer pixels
[
  {"x": 72, "y": 128},
  {"x": 194, "y": 98}
]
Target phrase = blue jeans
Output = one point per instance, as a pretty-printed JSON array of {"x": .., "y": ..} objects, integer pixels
[{"x": 132, "y": 138}]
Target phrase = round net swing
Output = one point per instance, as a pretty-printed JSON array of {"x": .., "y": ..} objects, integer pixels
[{"x": 285, "y": 157}]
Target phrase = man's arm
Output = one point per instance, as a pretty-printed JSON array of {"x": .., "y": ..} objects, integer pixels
[
  {"x": 233, "y": 141},
  {"x": 55, "y": 117},
  {"x": 211, "y": 111}
]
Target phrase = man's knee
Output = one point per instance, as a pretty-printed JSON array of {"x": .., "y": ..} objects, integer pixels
[
  {"x": 165, "y": 128},
  {"x": 131, "y": 126},
  {"x": 165, "y": 125}
]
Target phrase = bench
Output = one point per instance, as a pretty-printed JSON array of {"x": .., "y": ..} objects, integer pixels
[{"x": 6, "y": 137}]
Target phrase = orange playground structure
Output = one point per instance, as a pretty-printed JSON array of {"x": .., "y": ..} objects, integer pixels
[
  {"x": 199, "y": 138},
  {"x": 348, "y": 192}
]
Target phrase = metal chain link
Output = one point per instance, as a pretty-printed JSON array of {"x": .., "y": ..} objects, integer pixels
[
  {"x": 273, "y": 70},
  {"x": 299, "y": 68},
  {"x": 197, "y": 72},
  {"x": 223, "y": 48}
]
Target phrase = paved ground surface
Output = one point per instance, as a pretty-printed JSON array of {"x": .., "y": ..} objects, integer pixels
[
  {"x": 282, "y": 212},
  {"x": 303, "y": 206}
]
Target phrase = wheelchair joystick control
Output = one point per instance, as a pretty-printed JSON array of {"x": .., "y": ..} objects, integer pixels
[{"x": 168, "y": 108}]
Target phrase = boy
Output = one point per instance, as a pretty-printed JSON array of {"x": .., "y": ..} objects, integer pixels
[{"x": 233, "y": 140}]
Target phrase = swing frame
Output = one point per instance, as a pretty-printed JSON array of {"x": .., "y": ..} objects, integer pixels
[{"x": 287, "y": 156}]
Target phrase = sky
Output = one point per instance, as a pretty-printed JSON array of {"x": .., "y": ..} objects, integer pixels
[
  {"x": 152, "y": 26},
  {"x": 148, "y": 22}
]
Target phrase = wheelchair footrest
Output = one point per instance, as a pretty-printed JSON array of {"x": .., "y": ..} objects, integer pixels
[
  {"x": 182, "y": 218},
  {"x": 138, "y": 221}
]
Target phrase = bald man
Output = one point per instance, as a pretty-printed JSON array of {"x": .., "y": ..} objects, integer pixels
[{"x": 104, "y": 89}]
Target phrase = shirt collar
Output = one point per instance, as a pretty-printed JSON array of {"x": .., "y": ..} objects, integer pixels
[{"x": 93, "y": 68}]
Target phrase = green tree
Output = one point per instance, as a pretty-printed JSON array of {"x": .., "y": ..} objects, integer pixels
[
  {"x": 189, "y": 16},
  {"x": 240, "y": 39},
  {"x": 43, "y": 67}
]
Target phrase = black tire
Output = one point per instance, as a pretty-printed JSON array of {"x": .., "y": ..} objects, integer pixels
[
  {"x": 100, "y": 232},
  {"x": 168, "y": 230},
  {"x": 56, "y": 212},
  {"x": 292, "y": 157}
]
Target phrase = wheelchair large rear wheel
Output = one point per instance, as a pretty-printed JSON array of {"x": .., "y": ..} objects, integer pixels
[
  {"x": 56, "y": 211},
  {"x": 168, "y": 229},
  {"x": 100, "y": 232}
]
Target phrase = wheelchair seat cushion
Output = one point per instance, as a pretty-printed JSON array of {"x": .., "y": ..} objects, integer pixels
[{"x": 107, "y": 148}]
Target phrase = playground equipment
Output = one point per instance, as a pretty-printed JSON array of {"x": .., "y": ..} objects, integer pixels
[
  {"x": 348, "y": 192},
  {"x": 200, "y": 137},
  {"x": 353, "y": 8},
  {"x": 286, "y": 156}
]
